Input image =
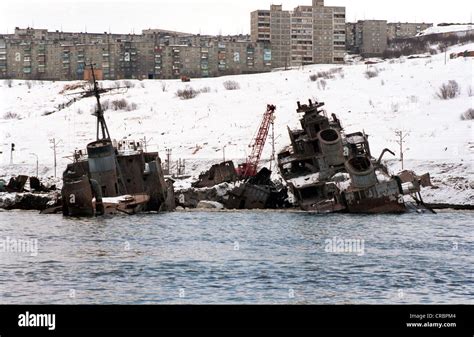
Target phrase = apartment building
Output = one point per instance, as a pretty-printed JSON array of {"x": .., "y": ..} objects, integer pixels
[
  {"x": 397, "y": 30},
  {"x": 155, "y": 54},
  {"x": 280, "y": 41},
  {"x": 260, "y": 26},
  {"x": 371, "y": 37},
  {"x": 367, "y": 37},
  {"x": 329, "y": 34},
  {"x": 308, "y": 34},
  {"x": 302, "y": 36}
]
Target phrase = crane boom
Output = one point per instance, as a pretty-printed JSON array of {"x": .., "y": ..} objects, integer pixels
[{"x": 249, "y": 168}]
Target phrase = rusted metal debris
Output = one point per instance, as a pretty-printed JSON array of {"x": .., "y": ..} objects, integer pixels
[
  {"x": 330, "y": 171},
  {"x": 17, "y": 184},
  {"x": 37, "y": 186},
  {"x": 217, "y": 174},
  {"x": 109, "y": 172},
  {"x": 256, "y": 189},
  {"x": 258, "y": 192},
  {"x": 112, "y": 169}
]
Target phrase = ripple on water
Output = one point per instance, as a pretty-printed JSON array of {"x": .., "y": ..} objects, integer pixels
[{"x": 239, "y": 257}]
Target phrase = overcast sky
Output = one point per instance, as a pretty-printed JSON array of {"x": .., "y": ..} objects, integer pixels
[{"x": 206, "y": 16}]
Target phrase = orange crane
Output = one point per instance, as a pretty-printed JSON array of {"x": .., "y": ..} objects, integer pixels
[{"x": 249, "y": 168}]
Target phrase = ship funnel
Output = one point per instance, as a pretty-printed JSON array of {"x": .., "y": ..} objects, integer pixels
[
  {"x": 102, "y": 166},
  {"x": 331, "y": 146},
  {"x": 362, "y": 172}
]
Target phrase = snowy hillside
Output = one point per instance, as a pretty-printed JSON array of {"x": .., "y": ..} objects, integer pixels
[
  {"x": 446, "y": 29},
  {"x": 402, "y": 96}
]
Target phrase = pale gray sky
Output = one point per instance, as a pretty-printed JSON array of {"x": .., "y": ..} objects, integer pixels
[{"x": 206, "y": 16}]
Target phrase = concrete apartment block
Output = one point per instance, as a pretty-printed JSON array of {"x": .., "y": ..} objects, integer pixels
[
  {"x": 260, "y": 26},
  {"x": 406, "y": 29},
  {"x": 308, "y": 34},
  {"x": 302, "y": 36},
  {"x": 155, "y": 54},
  {"x": 329, "y": 34},
  {"x": 371, "y": 37},
  {"x": 280, "y": 40}
]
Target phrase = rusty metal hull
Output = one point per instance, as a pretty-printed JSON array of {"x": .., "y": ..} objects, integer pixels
[
  {"x": 336, "y": 172},
  {"x": 77, "y": 197},
  {"x": 248, "y": 196},
  {"x": 217, "y": 174},
  {"x": 130, "y": 204},
  {"x": 140, "y": 173},
  {"x": 377, "y": 205}
]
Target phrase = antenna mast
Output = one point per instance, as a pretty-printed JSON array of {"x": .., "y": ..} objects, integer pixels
[{"x": 101, "y": 125}]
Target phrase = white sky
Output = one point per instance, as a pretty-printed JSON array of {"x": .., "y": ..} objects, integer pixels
[{"x": 206, "y": 16}]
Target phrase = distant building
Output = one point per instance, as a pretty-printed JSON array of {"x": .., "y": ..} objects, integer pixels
[
  {"x": 368, "y": 37},
  {"x": 280, "y": 28},
  {"x": 371, "y": 37},
  {"x": 155, "y": 54},
  {"x": 329, "y": 33},
  {"x": 404, "y": 30},
  {"x": 351, "y": 37},
  {"x": 302, "y": 36},
  {"x": 306, "y": 35}
]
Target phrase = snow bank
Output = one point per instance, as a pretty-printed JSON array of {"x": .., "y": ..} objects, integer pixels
[{"x": 446, "y": 29}]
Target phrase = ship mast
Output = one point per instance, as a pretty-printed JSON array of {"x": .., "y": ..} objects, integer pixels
[{"x": 101, "y": 125}]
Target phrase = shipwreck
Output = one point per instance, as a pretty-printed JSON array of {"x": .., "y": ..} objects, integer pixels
[
  {"x": 111, "y": 176},
  {"x": 328, "y": 170},
  {"x": 253, "y": 188}
]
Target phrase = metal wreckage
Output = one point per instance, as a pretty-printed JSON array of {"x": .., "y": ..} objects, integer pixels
[
  {"x": 325, "y": 169},
  {"x": 328, "y": 170},
  {"x": 254, "y": 189},
  {"x": 113, "y": 177}
]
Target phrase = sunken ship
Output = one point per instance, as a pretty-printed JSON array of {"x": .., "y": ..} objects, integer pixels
[
  {"x": 328, "y": 170},
  {"x": 112, "y": 177}
]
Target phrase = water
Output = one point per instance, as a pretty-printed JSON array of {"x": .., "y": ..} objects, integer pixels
[{"x": 238, "y": 257}]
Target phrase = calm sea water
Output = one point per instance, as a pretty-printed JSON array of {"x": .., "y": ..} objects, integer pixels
[{"x": 237, "y": 257}]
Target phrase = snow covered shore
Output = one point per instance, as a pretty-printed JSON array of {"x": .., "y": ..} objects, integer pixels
[{"x": 401, "y": 96}]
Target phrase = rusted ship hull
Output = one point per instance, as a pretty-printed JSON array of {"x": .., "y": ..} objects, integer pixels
[
  {"x": 248, "y": 196},
  {"x": 110, "y": 169},
  {"x": 134, "y": 175},
  {"x": 378, "y": 205},
  {"x": 330, "y": 171}
]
